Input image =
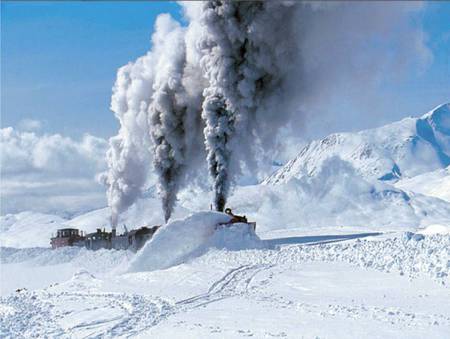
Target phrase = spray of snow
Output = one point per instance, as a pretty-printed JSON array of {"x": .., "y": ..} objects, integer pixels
[{"x": 184, "y": 239}]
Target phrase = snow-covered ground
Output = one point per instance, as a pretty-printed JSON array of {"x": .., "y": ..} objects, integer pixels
[
  {"x": 328, "y": 286},
  {"x": 352, "y": 241}
]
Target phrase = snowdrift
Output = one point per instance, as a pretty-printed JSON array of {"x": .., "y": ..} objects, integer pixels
[{"x": 186, "y": 238}]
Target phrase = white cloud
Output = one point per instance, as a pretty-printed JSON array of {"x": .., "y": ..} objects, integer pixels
[
  {"x": 50, "y": 173},
  {"x": 29, "y": 125}
]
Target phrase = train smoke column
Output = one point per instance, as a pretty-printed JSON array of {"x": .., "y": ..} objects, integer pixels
[
  {"x": 129, "y": 154},
  {"x": 241, "y": 66},
  {"x": 168, "y": 115}
]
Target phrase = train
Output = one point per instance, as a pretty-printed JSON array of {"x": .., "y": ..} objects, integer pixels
[
  {"x": 101, "y": 239},
  {"x": 132, "y": 240}
]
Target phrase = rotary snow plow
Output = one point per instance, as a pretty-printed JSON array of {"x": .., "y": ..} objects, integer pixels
[{"x": 236, "y": 219}]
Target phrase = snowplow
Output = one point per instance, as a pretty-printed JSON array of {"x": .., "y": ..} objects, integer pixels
[{"x": 236, "y": 219}]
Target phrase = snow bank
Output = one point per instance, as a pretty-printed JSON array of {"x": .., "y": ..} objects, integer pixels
[
  {"x": 435, "y": 229},
  {"x": 409, "y": 254},
  {"x": 183, "y": 239},
  {"x": 100, "y": 261}
]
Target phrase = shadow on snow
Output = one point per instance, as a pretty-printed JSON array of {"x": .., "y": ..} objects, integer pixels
[{"x": 319, "y": 239}]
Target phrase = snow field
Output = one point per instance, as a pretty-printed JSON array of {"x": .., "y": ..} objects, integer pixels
[{"x": 275, "y": 279}]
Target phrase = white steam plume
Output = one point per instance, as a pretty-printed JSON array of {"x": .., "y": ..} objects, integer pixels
[
  {"x": 128, "y": 156},
  {"x": 157, "y": 100}
]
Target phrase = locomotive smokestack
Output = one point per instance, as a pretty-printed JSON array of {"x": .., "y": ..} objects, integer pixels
[{"x": 114, "y": 220}]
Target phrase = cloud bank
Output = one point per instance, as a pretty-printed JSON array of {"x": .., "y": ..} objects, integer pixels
[{"x": 50, "y": 173}]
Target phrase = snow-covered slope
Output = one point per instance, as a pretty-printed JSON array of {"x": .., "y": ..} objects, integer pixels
[
  {"x": 28, "y": 229},
  {"x": 32, "y": 229},
  {"x": 435, "y": 184},
  {"x": 405, "y": 148}
]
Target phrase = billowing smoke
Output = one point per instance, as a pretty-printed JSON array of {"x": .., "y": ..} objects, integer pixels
[
  {"x": 246, "y": 77},
  {"x": 242, "y": 44},
  {"x": 169, "y": 110},
  {"x": 157, "y": 100},
  {"x": 129, "y": 154}
]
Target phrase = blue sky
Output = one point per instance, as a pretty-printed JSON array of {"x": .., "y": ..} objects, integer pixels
[{"x": 59, "y": 61}]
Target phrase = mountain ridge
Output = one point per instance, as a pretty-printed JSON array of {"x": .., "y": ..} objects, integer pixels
[{"x": 408, "y": 147}]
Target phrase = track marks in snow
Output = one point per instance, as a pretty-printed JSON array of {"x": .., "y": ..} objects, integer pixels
[
  {"x": 391, "y": 315},
  {"x": 105, "y": 315},
  {"x": 262, "y": 293},
  {"x": 28, "y": 317},
  {"x": 428, "y": 257},
  {"x": 92, "y": 315},
  {"x": 235, "y": 283}
]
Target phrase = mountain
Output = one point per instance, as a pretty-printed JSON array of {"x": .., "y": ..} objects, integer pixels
[
  {"x": 403, "y": 149},
  {"x": 395, "y": 177}
]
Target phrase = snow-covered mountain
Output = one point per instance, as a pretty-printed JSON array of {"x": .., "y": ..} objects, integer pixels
[
  {"x": 390, "y": 178},
  {"x": 402, "y": 149}
]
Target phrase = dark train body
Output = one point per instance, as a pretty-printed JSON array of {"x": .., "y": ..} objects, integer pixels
[{"x": 130, "y": 240}]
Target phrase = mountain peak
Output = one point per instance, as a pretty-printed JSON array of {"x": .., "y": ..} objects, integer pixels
[
  {"x": 439, "y": 118},
  {"x": 404, "y": 148}
]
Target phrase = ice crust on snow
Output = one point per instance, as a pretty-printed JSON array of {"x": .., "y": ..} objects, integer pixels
[{"x": 186, "y": 238}]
